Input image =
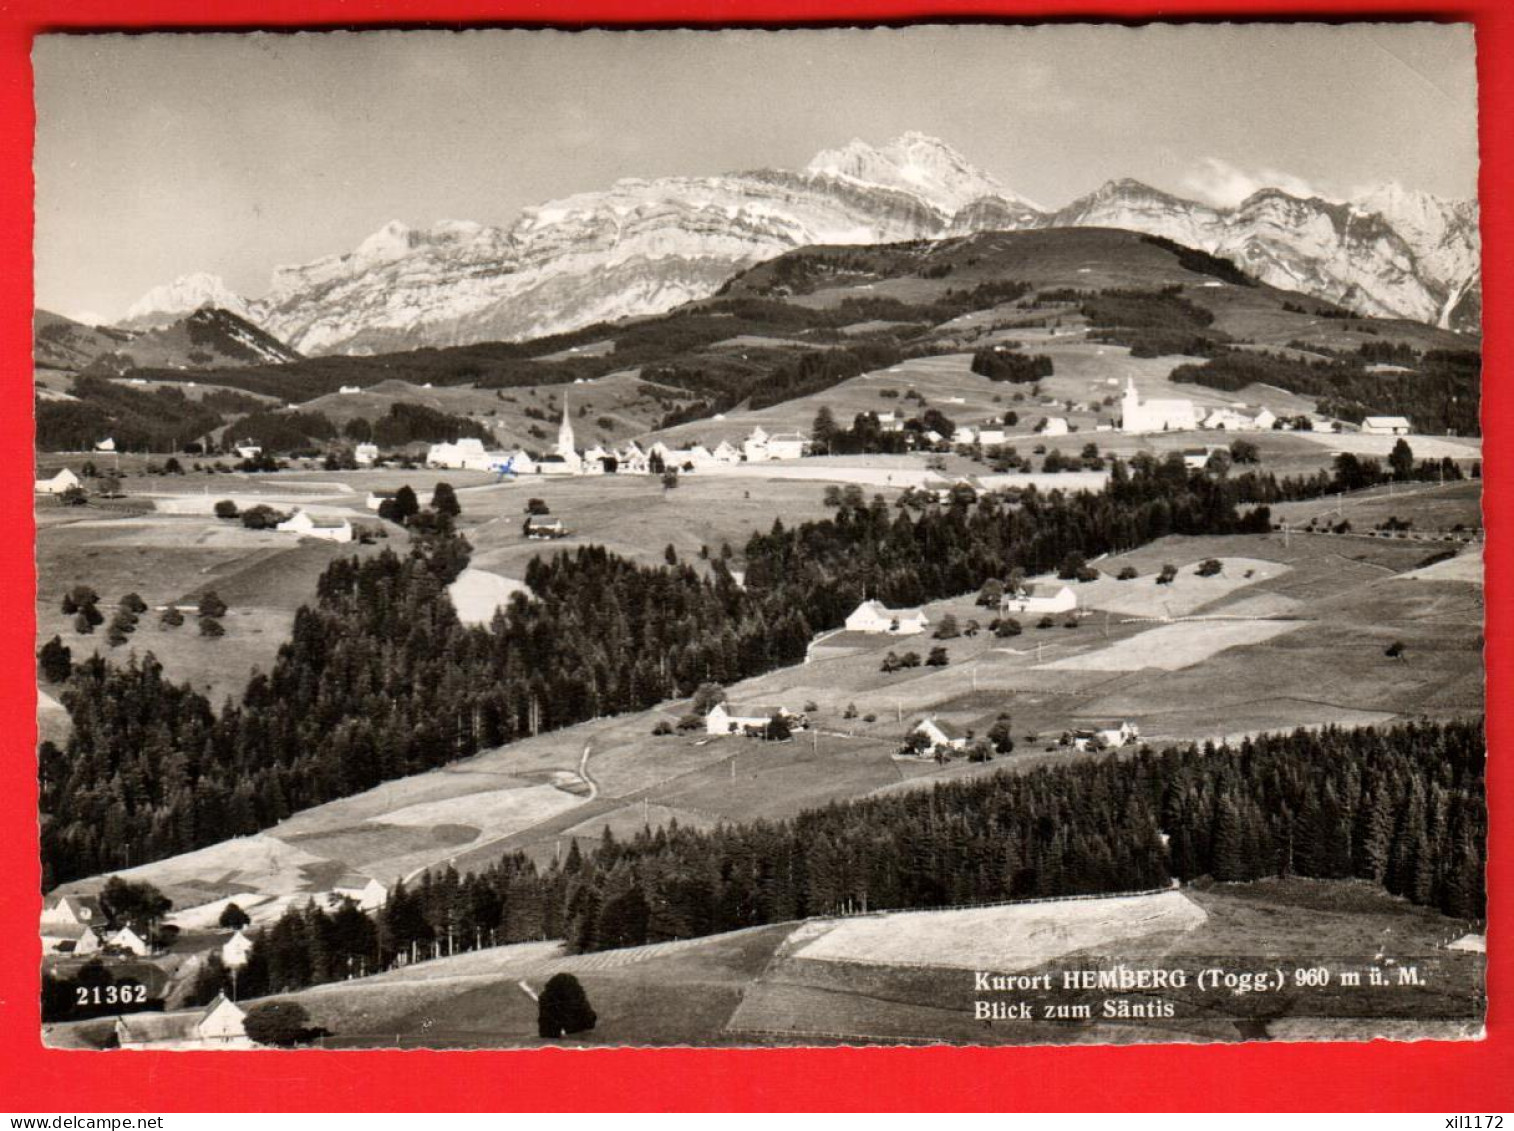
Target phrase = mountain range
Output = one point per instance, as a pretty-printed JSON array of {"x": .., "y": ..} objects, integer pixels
[
  {"x": 206, "y": 338},
  {"x": 646, "y": 246}
]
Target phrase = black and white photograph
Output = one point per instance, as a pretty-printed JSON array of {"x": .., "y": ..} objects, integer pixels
[{"x": 936, "y": 535}]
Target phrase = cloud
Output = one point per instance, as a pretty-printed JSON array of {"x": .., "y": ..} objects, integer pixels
[{"x": 1219, "y": 182}]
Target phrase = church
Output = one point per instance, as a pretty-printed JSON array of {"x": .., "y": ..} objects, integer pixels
[{"x": 1155, "y": 416}]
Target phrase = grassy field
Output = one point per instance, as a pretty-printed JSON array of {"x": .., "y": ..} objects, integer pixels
[{"x": 262, "y": 576}]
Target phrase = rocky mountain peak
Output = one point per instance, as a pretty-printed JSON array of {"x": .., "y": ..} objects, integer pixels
[{"x": 916, "y": 163}]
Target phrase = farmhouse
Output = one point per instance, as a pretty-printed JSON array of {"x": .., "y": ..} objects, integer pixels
[
  {"x": 940, "y": 734},
  {"x": 69, "y": 938},
  {"x": 632, "y": 458},
  {"x": 755, "y": 446},
  {"x": 726, "y": 452},
  {"x": 874, "y": 616},
  {"x": 1041, "y": 598},
  {"x": 730, "y": 718},
  {"x": 106, "y": 445},
  {"x": 542, "y": 527},
  {"x": 467, "y": 454},
  {"x": 988, "y": 437},
  {"x": 964, "y": 434},
  {"x": 364, "y": 891},
  {"x": 235, "y": 951},
  {"x": 128, "y": 940},
  {"x": 349, "y": 390},
  {"x": 1154, "y": 416},
  {"x": 249, "y": 451},
  {"x": 366, "y": 454},
  {"x": 1385, "y": 426},
  {"x": 1111, "y": 737},
  {"x": 306, "y": 525},
  {"x": 1054, "y": 426},
  {"x": 59, "y": 483},
  {"x": 594, "y": 460},
  {"x": 219, "y": 1025}
]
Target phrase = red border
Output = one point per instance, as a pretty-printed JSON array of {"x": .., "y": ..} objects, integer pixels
[{"x": 1464, "y": 1077}]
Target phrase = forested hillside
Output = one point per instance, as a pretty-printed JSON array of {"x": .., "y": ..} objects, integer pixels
[
  {"x": 380, "y": 679},
  {"x": 1402, "y": 807}
]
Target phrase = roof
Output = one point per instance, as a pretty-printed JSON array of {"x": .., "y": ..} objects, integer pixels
[
  {"x": 77, "y": 903},
  {"x": 327, "y": 523},
  {"x": 352, "y": 881},
  {"x": 751, "y": 710},
  {"x": 1388, "y": 421},
  {"x": 543, "y": 520},
  {"x": 949, "y": 729},
  {"x": 883, "y": 610}
]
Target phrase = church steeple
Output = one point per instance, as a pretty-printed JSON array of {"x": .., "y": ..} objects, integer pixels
[{"x": 565, "y": 443}]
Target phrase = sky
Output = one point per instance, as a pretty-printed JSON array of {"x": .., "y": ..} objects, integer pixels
[{"x": 161, "y": 155}]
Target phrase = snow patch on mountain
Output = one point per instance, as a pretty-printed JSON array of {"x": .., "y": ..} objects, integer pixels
[{"x": 166, "y": 304}]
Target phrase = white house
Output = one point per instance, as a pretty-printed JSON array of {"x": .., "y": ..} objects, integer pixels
[
  {"x": 366, "y": 892},
  {"x": 348, "y": 390},
  {"x": 539, "y": 527},
  {"x": 128, "y": 939},
  {"x": 594, "y": 460},
  {"x": 1234, "y": 420},
  {"x": 964, "y": 435},
  {"x": 940, "y": 733},
  {"x": 467, "y": 454},
  {"x": 221, "y": 1024},
  {"x": 518, "y": 462},
  {"x": 1041, "y": 598},
  {"x": 106, "y": 445},
  {"x": 554, "y": 464},
  {"x": 1106, "y": 738},
  {"x": 235, "y": 951},
  {"x": 366, "y": 454},
  {"x": 306, "y": 525},
  {"x": 249, "y": 451},
  {"x": 755, "y": 446},
  {"x": 1054, "y": 426},
  {"x": 59, "y": 483},
  {"x": 632, "y": 458},
  {"x": 730, "y": 718},
  {"x": 1137, "y": 415},
  {"x": 69, "y": 938},
  {"x": 726, "y": 452},
  {"x": 874, "y": 616},
  {"x": 989, "y": 437},
  {"x": 1385, "y": 426}
]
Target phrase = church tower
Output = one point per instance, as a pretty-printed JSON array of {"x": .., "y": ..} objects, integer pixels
[
  {"x": 1130, "y": 408},
  {"x": 565, "y": 445}
]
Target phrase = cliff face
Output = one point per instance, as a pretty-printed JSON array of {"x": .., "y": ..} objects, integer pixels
[{"x": 644, "y": 246}]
